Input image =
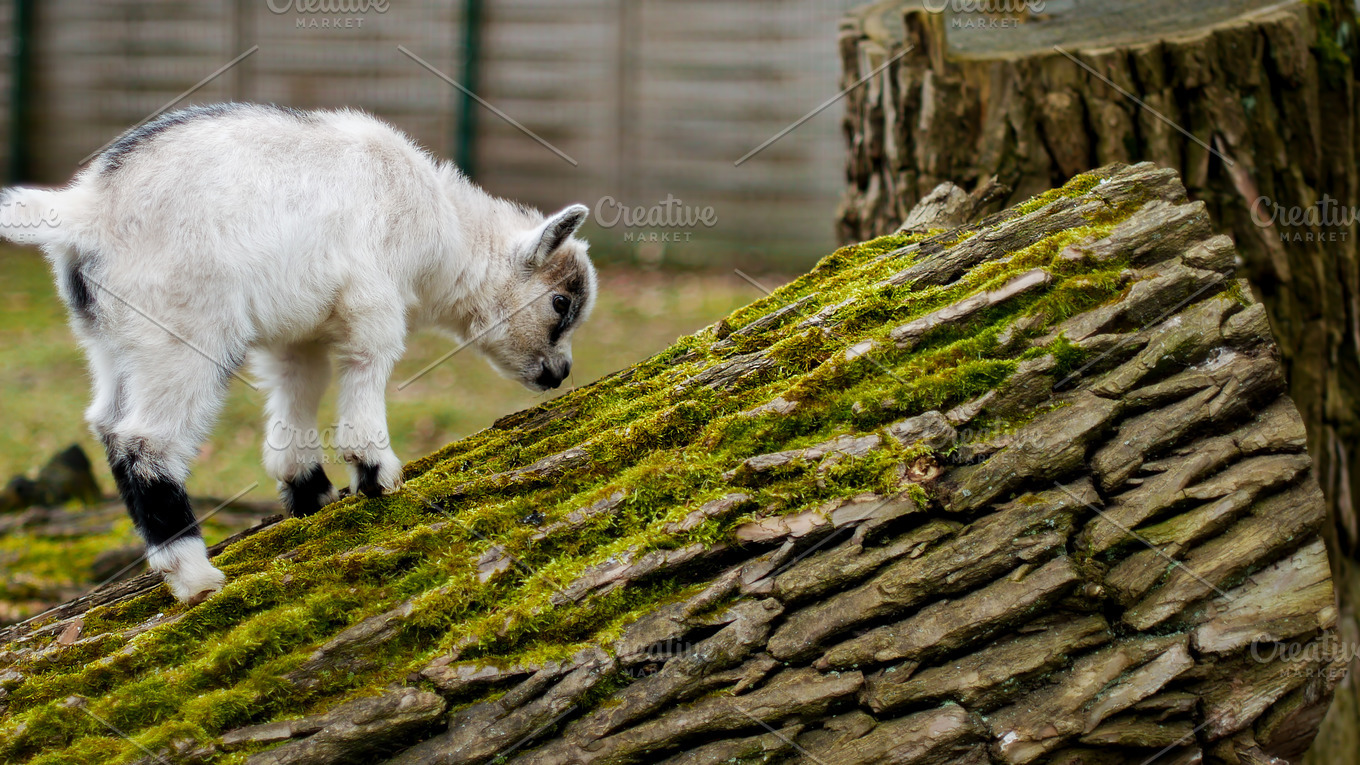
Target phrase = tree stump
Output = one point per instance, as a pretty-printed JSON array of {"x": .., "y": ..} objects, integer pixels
[
  {"x": 1027, "y": 489},
  {"x": 1252, "y": 101}
]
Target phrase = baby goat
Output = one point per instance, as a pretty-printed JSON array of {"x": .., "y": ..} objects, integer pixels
[{"x": 216, "y": 232}]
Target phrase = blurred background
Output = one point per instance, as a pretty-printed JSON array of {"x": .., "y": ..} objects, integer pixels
[
  {"x": 637, "y": 99},
  {"x": 640, "y": 104}
]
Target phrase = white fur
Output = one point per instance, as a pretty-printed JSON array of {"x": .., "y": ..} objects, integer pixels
[
  {"x": 294, "y": 238},
  {"x": 184, "y": 564}
]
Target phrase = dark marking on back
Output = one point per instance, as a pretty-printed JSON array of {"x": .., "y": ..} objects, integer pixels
[
  {"x": 79, "y": 296},
  {"x": 129, "y": 142}
]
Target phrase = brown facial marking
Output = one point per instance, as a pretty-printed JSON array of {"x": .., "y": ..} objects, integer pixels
[{"x": 564, "y": 271}]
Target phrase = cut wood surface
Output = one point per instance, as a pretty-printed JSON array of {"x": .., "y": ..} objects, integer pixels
[{"x": 1026, "y": 489}]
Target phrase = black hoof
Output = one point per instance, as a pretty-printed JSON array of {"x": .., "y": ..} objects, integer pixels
[
  {"x": 368, "y": 480},
  {"x": 303, "y": 495}
]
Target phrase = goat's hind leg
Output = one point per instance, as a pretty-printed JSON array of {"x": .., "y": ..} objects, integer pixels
[
  {"x": 170, "y": 397},
  {"x": 106, "y": 406}
]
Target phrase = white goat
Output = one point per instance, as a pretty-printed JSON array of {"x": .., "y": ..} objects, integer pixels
[{"x": 216, "y": 232}]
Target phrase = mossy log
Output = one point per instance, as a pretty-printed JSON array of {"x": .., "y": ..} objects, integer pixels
[
  {"x": 1254, "y": 102},
  {"x": 61, "y": 538},
  {"x": 1027, "y": 489}
]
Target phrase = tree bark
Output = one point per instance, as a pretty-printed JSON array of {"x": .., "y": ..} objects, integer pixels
[
  {"x": 1112, "y": 549},
  {"x": 1254, "y": 103}
]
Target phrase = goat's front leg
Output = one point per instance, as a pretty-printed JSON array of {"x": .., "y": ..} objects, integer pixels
[
  {"x": 296, "y": 377},
  {"x": 361, "y": 435}
]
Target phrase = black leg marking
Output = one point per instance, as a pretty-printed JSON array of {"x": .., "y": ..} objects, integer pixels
[
  {"x": 302, "y": 495},
  {"x": 368, "y": 480},
  {"x": 159, "y": 507}
]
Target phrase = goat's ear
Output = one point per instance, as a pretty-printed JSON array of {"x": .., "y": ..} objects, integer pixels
[{"x": 545, "y": 239}]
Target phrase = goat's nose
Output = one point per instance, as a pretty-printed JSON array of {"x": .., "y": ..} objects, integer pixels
[
  {"x": 547, "y": 378},
  {"x": 566, "y": 370}
]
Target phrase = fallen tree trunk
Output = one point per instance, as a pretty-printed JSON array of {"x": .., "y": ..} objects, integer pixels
[
  {"x": 1029, "y": 489},
  {"x": 1252, "y": 101}
]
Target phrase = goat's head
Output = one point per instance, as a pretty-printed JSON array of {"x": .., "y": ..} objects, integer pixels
[{"x": 550, "y": 293}]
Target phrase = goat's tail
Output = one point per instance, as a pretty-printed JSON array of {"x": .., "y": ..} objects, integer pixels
[{"x": 51, "y": 218}]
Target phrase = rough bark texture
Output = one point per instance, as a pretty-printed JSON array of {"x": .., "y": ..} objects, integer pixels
[
  {"x": 1252, "y": 101},
  {"x": 1026, "y": 490}
]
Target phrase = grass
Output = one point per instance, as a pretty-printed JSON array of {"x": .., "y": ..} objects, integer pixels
[{"x": 44, "y": 387}]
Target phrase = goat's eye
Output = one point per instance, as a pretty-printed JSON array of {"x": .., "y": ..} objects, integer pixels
[{"x": 560, "y": 304}]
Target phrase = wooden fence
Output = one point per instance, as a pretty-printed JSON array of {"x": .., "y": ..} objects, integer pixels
[{"x": 634, "y": 102}]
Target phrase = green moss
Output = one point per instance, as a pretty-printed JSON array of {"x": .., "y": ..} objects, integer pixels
[
  {"x": 1335, "y": 46},
  {"x": 665, "y": 447},
  {"x": 87, "y": 750},
  {"x": 1237, "y": 290},
  {"x": 1077, "y": 186},
  {"x": 1067, "y": 355}
]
